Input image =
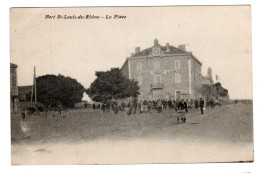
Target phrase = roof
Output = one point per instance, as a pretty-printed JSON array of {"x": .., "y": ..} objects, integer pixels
[
  {"x": 173, "y": 50},
  {"x": 13, "y": 65},
  {"x": 25, "y": 88},
  {"x": 29, "y": 104}
]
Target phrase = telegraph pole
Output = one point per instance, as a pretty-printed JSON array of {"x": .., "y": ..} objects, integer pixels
[{"x": 35, "y": 99}]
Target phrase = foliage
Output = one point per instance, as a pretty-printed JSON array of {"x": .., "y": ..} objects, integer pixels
[
  {"x": 220, "y": 90},
  {"x": 112, "y": 84},
  {"x": 52, "y": 90},
  {"x": 216, "y": 90}
]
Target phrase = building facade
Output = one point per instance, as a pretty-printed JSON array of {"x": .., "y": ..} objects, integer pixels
[
  {"x": 25, "y": 93},
  {"x": 165, "y": 72},
  {"x": 13, "y": 87}
]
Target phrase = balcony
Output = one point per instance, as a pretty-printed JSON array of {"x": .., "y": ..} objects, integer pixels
[{"x": 157, "y": 85}]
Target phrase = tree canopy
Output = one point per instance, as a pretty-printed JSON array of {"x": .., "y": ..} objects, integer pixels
[
  {"x": 220, "y": 90},
  {"x": 216, "y": 90},
  {"x": 53, "y": 89},
  {"x": 112, "y": 84}
]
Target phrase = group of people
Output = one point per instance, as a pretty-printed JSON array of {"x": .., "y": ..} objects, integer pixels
[
  {"x": 144, "y": 106},
  {"x": 179, "y": 105},
  {"x": 115, "y": 106}
]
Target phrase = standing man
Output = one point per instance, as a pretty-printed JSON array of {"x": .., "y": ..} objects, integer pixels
[
  {"x": 196, "y": 104},
  {"x": 211, "y": 103},
  {"x": 201, "y": 105},
  {"x": 170, "y": 104},
  {"x": 186, "y": 105},
  {"x": 134, "y": 105},
  {"x": 175, "y": 104},
  {"x": 129, "y": 107},
  {"x": 59, "y": 109}
]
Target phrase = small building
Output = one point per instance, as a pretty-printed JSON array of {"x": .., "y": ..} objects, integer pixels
[
  {"x": 205, "y": 81},
  {"x": 165, "y": 72},
  {"x": 25, "y": 93},
  {"x": 27, "y": 105}
]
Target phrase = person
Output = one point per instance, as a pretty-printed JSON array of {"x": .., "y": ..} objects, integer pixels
[
  {"x": 94, "y": 106},
  {"x": 191, "y": 103},
  {"x": 23, "y": 115},
  {"x": 59, "y": 109},
  {"x": 196, "y": 104},
  {"x": 170, "y": 104},
  {"x": 186, "y": 106},
  {"x": 129, "y": 108},
  {"x": 116, "y": 108},
  {"x": 175, "y": 105},
  {"x": 154, "y": 104},
  {"x": 150, "y": 104},
  {"x": 145, "y": 106},
  {"x": 103, "y": 107},
  {"x": 141, "y": 106},
  {"x": 181, "y": 111},
  {"x": 108, "y": 106},
  {"x": 164, "y": 102},
  {"x": 159, "y": 106},
  {"x": 134, "y": 105},
  {"x": 211, "y": 103},
  {"x": 201, "y": 105},
  {"x": 123, "y": 106}
]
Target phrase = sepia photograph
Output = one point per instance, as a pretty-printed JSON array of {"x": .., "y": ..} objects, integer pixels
[{"x": 131, "y": 85}]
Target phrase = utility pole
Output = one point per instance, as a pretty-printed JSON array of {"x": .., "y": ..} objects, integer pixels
[{"x": 35, "y": 99}]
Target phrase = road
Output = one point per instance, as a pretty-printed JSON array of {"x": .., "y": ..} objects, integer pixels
[{"x": 224, "y": 134}]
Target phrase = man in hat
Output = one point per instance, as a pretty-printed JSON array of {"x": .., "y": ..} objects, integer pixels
[{"x": 201, "y": 105}]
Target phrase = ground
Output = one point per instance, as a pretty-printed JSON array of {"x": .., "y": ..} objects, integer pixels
[{"x": 82, "y": 136}]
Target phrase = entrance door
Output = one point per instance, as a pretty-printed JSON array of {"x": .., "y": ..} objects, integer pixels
[
  {"x": 157, "y": 94},
  {"x": 178, "y": 95}
]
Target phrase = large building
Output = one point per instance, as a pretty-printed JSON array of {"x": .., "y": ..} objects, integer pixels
[
  {"x": 13, "y": 86},
  {"x": 165, "y": 72}
]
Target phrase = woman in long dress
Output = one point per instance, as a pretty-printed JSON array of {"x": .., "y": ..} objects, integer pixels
[{"x": 159, "y": 106}]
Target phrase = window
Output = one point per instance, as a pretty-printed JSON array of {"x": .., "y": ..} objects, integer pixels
[
  {"x": 177, "y": 79},
  {"x": 139, "y": 80},
  {"x": 139, "y": 67},
  {"x": 177, "y": 64},
  {"x": 157, "y": 79},
  {"x": 156, "y": 65},
  {"x": 13, "y": 77}
]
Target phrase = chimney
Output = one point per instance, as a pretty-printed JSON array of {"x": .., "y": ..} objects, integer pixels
[
  {"x": 182, "y": 47},
  {"x": 137, "y": 49},
  {"x": 167, "y": 47}
]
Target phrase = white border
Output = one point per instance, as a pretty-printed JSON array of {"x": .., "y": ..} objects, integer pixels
[{"x": 4, "y": 95}]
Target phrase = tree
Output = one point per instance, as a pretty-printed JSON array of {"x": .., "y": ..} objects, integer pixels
[
  {"x": 215, "y": 89},
  {"x": 53, "y": 89},
  {"x": 112, "y": 84}
]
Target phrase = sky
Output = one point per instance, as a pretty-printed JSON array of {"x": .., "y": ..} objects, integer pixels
[{"x": 219, "y": 36}]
